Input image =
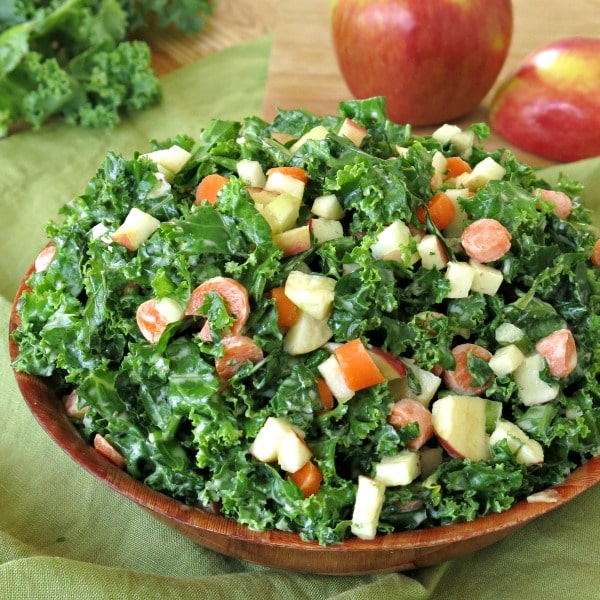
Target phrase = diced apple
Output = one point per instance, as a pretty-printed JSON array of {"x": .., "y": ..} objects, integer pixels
[
  {"x": 457, "y": 224},
  {"x": 401, "y": 469},
  {"x": 261, "y": 196},
  {"x": 439, "y": 163},
  {"x": 353, "y": 131},
  {"x": 328, "y": 207},
  {"x": 391, "y": 367},
  {"x": 532, "y": 388},
  {"x": 433, "y": 254},
  {"x": 430, "y": 459},
  {"x": 393, "y": 243},
  {"x": 463, "y": 142},
  {"x": 460, "y": 275},
  {"x": 293, "y": 241},
  {"x": 370, "y": 495},
  {"x": 281, "y": 213},
  {"x": 169, "y": 160},
  {"x": 137, "y": 227},
  {"x": 507, "y": 333},
  {"x": 483, "y": 172},
  {"x": 251, "y": 172},
  {"x": 444, "y": 133},
  {"x": 264, "y": 446},
  {"x": 317, "y": 133},
  {"x": 332, "y": 374},
  {"x": 527, "y": 451},
  {"x": 292, "y": 452},
  {"x": 459, "y": 424},
  {"x": 311, "y": 293},
  {"x": 285, "y": 184},
  {"x": 506, "y": 360},
  {"x": 486, "y": 280},
  {"x": 161, "y": 188},
  {"x": 428, "y": 384},
  {"x": 306, "y": 334},
  {"x": 324, "y": 230}
]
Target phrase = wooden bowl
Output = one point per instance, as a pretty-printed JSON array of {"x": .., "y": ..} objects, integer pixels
[{"x": 284, "y": 550}]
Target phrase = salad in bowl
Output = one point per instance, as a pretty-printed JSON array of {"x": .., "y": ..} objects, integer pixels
[{"x": 325, "y": 325}]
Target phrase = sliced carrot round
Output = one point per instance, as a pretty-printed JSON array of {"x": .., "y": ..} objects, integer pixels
[
  {"x": 486, "y": 240},
  {"x": 407, "y": 411},
  {"x": 295, "y": 172},
  {"x": 560, "y": 351},
  {"x": 460, "y": 379},
  {"x": 595, "y": 258},
  {"x": 456, "y": 166},
  {"x": 287, "y": 311},
  {"x": 358, "y": 368},
  {"x": 562, "y": 203},
  {"x": 238, "y": 349},
  {"x": 209, "y": 187},
  {"x": 235, "y": 297},
  {"x": 441, "y": 211},
  {"x": 308, "y": 478},
  {"x": 104, "y": 447}
]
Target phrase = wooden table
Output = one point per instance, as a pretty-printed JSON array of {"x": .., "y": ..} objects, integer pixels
[{"x": 303, "y": 72}]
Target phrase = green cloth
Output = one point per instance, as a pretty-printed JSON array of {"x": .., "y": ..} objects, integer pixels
[{"x": 65, "y": 535}]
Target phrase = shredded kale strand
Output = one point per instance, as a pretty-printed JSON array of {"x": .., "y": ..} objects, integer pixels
[
  {"x": 77, "y": 59},
  {"x": 164, "y": 405}
]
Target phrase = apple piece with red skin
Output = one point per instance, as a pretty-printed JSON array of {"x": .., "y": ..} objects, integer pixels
[
  {"x": 391, "y": 366},
  {"x": 353, "y": 131},
  {"x": 137, "y": 227},
  {"x": 550, "y": 105},
  {"x": 293, "y": 241},
  {"x": 433, "y": 61}
]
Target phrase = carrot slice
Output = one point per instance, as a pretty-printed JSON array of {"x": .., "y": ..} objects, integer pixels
[
  {"x": 460, "y": 379},
  {"x": 486, "y": 240},
  {"x": 562, "y": 203},
  {"x": 104, "y": 447},
  {"x": 287, "y": 311},
  {"x": 407, "y": 411},
  {"x": 209, "y": 188},
  {"x": 151, "y": 321},
  {"x": 295, "y": 172},
  {"x": 233, "y": 293},
  {"x": 358, "y": 368},
  {"x": 456, "y": 166},
  {"x": 441, "y": 210},
  {"x": 238, "y": 350},
  {"x": 325, "y": 395},
  {"x": 560, "y": 352},
  {"x": 308, "y": 478},
  {"x": 595, "y": 258}
]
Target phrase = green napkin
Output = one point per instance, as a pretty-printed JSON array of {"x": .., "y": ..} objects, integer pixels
[{"x": 65, "y": 535}]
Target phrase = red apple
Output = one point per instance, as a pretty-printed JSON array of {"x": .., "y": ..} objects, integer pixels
[
  {"x": 434, "y": 61},
  {"x": 550, "y": 106}
]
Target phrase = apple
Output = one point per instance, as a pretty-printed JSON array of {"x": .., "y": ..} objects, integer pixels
[
  {"x": 281, "y": 213},
  {"x": 353, "y": 131},
  {"x": 293, "y": 241},
  {"x": 401, "y": 469},
  {"x": 292, "y": 451},
  {"x": 328, "y": 207},
  {"x": 317, "y": 133},
  {"x": 285, "y": 184},
  {"x": 391, "y": 367},
  {"x": 306, "y": 334},
  {"x": 550, "y": 105},
  {"x": 433, "y": 254},
  {"x": 311, "y": 293},
  {"x": 428, "y": 384},
  {"x": 434, "y": 61},
  {"x": 506, "y": 360},
  {"x": 527, "y": 451},
  {"x": 334, "y": 378},
  {"x": 532, "y": 389},
  {"x": 324, "y": 230},
  {"x": 483, "y": 172},
  {"x": 459, "y": 423},
  {"x": 169, "y": 161},
  {"x": 265, "y": 445},
  {"x": 251, "y": 172},
  {"x": 486, "y": 280},
  {"x": 137, "y": 227},
  {"x": 460, "y": 275},
  {"x": 394, "y": 243},
  {"x": 370, "y": 495}
]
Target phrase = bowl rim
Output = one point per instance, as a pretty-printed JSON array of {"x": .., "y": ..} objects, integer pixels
[{"x": 403, "y": 547}]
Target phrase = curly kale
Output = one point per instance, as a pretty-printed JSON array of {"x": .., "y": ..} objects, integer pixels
[{"x": 76, "y": 59}]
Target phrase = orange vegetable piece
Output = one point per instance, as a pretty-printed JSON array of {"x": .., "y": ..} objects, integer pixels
[
  {"x": 441, "y": 210},
  {"x": 459, "y": 379},
  {"x": 151, "y": 322},
  {"x": 407, "y": 411},
  {"x": 562, "y": 202},
  {"x": 238, "y": 350},
  {"x": 287, "y": 311},
  {"x": 325, "y": 394},
  {"x": 209, "y": 188},
  {"x": 308, "y": 478},
  {"x": 358, "y": 368},
  {"x": 295, "y": 172},
  {"x": 104, "y": 447},
  {"x": 456, "y": 166},
  {"x": 486, "y": 240},
  {"x": 560, "y": 352},
  {"x": 595, "y": 258},
  {"x": 233, "y": 293}
]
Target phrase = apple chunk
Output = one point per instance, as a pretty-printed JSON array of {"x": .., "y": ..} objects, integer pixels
[
  {"x": 328, "y": 207},
  {"x": 292, "y": 451},
  {"x": 353, "y": 131},
  {"x": 400, "y": 469},
  {"x": 306, "y": 334},
  {"x": 137, "y": 227},
  {"x": 311, "y": 293},
  {"x": 370, "y": 495},
  {"x": 527, "y": 451},
  {"x": 293, "y": 241},
  {"x": 459, "y": 424},
  {"x": 264, "y": 446}
]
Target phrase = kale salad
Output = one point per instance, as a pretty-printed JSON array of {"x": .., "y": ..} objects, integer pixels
[{"x": 325, "y": 325}]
